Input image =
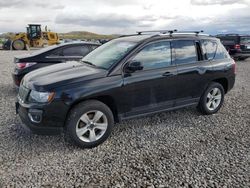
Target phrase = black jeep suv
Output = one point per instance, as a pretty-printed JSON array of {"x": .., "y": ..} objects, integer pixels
[
  {"x": 238, "y": 46},
  {"x": 127, "y": 77}
]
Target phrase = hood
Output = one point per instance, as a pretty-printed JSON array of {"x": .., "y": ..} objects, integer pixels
[{"x": 48, "y": 78}]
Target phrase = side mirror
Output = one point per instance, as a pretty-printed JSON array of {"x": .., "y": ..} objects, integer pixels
[{"x": 133, "y": 66}]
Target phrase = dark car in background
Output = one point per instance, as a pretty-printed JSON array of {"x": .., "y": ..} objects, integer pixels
[
  {"x": 125, "y": 78},
  {"x": 60, "y": 53},
  {"x": 238, "y": 46}
]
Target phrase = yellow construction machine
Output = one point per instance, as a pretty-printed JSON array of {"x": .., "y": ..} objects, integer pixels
[{"x": 34, "y": 37}]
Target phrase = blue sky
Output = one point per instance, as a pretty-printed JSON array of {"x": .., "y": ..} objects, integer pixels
[{"x": 127, "y": 16}]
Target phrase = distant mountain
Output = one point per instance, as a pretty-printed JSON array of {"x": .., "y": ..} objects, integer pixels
[
  {"x": 4, "y": 35},
  {"x": 85, "y": 35},
  {"x": 75, "y": 35}
]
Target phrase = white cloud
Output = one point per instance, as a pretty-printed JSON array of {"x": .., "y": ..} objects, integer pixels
[
  {"x": 126, "y": 16},
  {"x": 220, "y": 2}
]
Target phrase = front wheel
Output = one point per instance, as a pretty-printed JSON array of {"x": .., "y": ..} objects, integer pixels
[
  {"x": 89, "y": 123},
  {"x": 212, "y": 99}
]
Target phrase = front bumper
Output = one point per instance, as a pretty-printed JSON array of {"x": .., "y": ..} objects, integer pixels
[{"x": 38, "y": 120}]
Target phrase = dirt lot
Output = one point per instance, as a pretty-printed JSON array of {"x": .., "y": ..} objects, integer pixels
[{"x": 173, "y": 149}]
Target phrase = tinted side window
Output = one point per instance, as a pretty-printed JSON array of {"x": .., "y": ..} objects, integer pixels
[
  {"x": 221, "y": 52},
  {"x": 75, "y": 51},
  {"x": 209, "y": 49},
  {"x": 155, "y": 55},
  {"x": 185, "y": 51}
]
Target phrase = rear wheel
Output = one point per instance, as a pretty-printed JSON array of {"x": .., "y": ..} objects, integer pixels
[
  {"x": 212, "y": 99},
  {"x": 18, "y": 44},
  {"x": 89, "y": 123}
]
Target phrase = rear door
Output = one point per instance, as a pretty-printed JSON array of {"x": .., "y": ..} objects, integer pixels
[{"x": 192, "y": 71}]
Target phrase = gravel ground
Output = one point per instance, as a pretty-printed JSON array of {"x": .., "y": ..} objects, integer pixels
[{"x": 174, "y": 149}]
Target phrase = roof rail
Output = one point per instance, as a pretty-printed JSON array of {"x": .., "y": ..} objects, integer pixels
[
  {"x": 190, "y": 32},
  {"x": 127, "y": 35},
  {"x": 170, "y": 32},
  {"x": 157, "y": 31}
]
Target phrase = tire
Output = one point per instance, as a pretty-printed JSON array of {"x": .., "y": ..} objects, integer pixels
[
  {"x": 212, "y": 99},
  {"x": 83, "y": 129},
  {"x": 18, "y": 45}
]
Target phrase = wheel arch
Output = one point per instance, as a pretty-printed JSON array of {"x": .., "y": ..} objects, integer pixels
[
  {"x": 106, "y": 99},
  {"x": 223, "y": 82}
]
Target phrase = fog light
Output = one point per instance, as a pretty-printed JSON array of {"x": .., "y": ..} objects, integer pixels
[{"x": 35, "y": 115}]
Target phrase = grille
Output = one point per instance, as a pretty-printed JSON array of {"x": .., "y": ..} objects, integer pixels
[{"x": 23, "y": 93}]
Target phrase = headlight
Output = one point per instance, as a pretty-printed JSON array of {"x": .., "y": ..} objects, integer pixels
[{"x": 41, "y": 97}]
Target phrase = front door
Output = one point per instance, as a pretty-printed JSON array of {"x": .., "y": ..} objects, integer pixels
[{"x": 151, "y": 89}]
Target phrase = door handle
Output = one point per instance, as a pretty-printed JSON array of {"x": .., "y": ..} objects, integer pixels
[{"x": 168, "y": 74}]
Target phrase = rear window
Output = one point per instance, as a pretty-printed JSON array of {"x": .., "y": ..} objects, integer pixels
[
  {"x": 245, "y": 40},
  {"x": 185, "y": 51},
  {"x": 228, "y": 40}
]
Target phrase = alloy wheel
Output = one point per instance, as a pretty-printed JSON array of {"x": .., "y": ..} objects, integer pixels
[
  {"x": 213, "y": 99},
  {"x": 91, "y": 126}
]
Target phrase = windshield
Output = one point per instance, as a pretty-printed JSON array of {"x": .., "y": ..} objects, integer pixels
[
  {"x": 109, "y": 53},
  {"x": 245, "y": 40}
]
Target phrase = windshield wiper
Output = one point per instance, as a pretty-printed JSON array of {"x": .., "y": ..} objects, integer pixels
[{"x": 89, "y": 63}]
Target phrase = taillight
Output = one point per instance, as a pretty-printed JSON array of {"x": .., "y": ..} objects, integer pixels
[
  {"x": 24, "y": 65},
  {"x": 234, "y": 67},
  {"x": 21, "y": 65},
  {"x": 237, "y": 46}
]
